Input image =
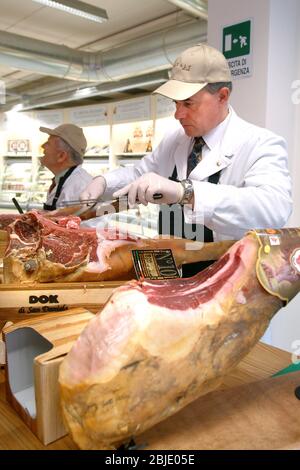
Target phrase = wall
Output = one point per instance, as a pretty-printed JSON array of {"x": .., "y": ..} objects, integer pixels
[{"x": 266, "y": 99}]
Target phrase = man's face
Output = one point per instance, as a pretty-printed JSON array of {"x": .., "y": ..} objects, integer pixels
[
  {"x": 203, "y": 111},
  {"x": 51, "y": 153}
]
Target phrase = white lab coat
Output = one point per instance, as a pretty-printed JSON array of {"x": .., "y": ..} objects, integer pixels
[
  {"x": 254, "y": 189},
  {"x": 72, "y": 187}
]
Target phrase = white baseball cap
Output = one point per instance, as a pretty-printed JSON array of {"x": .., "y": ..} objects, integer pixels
[{"x": 193, "y": 70}]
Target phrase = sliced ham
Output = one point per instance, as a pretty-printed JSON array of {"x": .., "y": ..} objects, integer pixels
[{"x": 157, "y": 346}]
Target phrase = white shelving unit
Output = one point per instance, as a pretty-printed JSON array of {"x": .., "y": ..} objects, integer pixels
[{"x": 118, "y": 134}]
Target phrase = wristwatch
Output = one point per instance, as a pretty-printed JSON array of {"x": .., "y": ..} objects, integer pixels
[{"x": 188, "y": 192}]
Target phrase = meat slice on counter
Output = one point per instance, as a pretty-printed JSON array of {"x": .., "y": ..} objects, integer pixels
[
  {"x": 41, "y": 250},
  {"x": 157, "y": 346}
]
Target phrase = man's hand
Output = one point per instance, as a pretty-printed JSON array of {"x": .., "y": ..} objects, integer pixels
[
  {"x": 143, "y": 189},
  {"x": 95, "y": 189}
]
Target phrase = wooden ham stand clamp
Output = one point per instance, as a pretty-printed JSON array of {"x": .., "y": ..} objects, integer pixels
[{"x": 35, "y": 349}]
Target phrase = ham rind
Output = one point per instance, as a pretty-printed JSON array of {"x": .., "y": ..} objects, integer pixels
[
  {"x": 42, "y": 250},
  {"x": 158, "y": 345}
]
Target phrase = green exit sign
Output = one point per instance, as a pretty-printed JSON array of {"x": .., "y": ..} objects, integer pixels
[{"x": 236, "y": 40}]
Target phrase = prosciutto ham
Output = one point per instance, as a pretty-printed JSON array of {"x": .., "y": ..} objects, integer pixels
[
  {"x": 7, "y": 219},
  {"x": 44, "y": 250},
  {"x": 159, "y": 345},
  {"x": 61, "y": 220}
]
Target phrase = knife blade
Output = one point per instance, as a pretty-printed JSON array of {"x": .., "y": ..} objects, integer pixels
[
  {"x": 92, "y": 202},
  {"x": 89, "y": 204}
]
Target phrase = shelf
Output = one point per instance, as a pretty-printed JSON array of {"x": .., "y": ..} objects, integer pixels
[
  {"x": 17, "y": 157},
  {"x": 10, "y": 205},
  {"x": 13, "y": 191},
  {"x": 8, "y": 181},
  {"x": 25, "y": 205},
  {"x": 132, "y": 154},
  {"x": 100, "y": 156},
  {"x": 107, "y": 143},
  {"x": 87, "y": 158}
]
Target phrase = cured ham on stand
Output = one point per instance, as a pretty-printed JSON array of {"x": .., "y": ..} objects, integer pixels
[{"x": 157, "y": 346}]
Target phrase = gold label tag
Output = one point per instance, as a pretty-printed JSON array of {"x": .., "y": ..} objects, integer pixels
[
  {"x": 154, "y": 264},
  {"x": 278, "y": 263}
]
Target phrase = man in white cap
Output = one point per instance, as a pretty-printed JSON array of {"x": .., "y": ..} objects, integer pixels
[
  {"x": 227, "y": 175},
  {"x": 63, "y": 156}
]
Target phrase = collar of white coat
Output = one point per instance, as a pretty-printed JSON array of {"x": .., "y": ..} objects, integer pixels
[{"x": 220, "y": 142}]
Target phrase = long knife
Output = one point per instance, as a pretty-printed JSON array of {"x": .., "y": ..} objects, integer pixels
[{"x": 89, "y": 204}]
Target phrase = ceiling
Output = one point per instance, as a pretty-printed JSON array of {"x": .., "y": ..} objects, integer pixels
[{"x": 136, "y": 47}]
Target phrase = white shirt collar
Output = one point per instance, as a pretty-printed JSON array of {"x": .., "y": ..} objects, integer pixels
[
  {"x": 62, "y": 173},
  {"x": 215, "y": 136}
]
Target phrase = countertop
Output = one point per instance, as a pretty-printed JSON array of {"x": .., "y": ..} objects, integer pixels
[{"x": 262, "y": 362}]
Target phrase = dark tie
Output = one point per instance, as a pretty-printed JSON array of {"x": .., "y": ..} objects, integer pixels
[
  {"x": 196, "y": 155},
  {"x": 52, "y": 185}
]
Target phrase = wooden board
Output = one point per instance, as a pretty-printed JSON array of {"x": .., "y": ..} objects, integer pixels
[
  {"x": 262, "y": 415},
  {"x": 260, "y": 363},
  {"x": 21, "y": 302}
]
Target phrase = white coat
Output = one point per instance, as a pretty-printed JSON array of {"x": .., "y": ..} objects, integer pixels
[
  {"x": 72, "y": 187},
  {"x": 254, "y": 189}
]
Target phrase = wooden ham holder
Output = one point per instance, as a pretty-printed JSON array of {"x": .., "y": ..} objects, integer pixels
[
  {"x": 35, "y": 349},
  {"x": 22, "y": 301}
]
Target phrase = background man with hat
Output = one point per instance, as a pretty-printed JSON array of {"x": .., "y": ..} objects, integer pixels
[
  {"x": 63, "y": 155},
  {"x": 227, "y": 175}
]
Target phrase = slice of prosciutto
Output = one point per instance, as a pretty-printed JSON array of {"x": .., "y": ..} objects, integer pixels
[
  {"x": 157, "y": 346},
  {"x": 44, "y": 250}
]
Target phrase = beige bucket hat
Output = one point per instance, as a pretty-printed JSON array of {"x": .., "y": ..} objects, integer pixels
[{"x": 193, "y": 70}]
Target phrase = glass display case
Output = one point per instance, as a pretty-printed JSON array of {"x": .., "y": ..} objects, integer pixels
[
  {"x": 118, "y": 134},
  {"x": 16, "y": 181}
]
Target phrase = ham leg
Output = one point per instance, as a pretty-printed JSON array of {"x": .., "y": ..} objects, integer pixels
[
  {"x": 43, "y": 250},
  {"x": 159, "y": 345}
]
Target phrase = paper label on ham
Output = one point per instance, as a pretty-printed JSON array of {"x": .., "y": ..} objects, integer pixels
[
  {"x": 278, "y": 264},
  {"x": 154, "y": 264}
]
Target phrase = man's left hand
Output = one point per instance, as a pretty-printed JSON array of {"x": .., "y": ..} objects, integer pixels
[{"x": 144, "y": 188}]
